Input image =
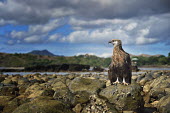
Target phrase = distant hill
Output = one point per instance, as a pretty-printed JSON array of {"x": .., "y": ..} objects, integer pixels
[
  {"x": 145, "y": 55},
  {"x": 44, "y": 58},
  {"x": 42, "y": 52}
]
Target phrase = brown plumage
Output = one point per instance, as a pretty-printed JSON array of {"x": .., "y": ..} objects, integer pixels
[{"x": 120, "y": 67}]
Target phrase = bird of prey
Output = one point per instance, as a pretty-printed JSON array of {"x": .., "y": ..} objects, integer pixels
[{"x": 120, "y": 67}]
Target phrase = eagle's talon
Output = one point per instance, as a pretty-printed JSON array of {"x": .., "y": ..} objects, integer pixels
[
  {"x": 116, "y": 82},
  {"x": 126, "y": 84}
]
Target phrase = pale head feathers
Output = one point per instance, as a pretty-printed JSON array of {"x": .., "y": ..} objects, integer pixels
[{"x": 115, "y": 42}]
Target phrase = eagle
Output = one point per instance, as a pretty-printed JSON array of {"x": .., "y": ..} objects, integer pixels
[{"x": 120, "y": 67}]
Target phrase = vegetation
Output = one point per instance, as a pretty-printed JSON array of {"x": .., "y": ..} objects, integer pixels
[
  {"x": 153, "y": 60},
  {"x": 29, "y": 60}
]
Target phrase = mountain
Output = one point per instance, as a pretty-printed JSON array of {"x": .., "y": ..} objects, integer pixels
[
  {"x": 145, "y": 55},
  {"x": 42, "y": 52}
]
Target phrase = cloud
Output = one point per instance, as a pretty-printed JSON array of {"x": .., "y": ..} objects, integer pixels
[
  {"x": 37, "y": 33},
  {"x": 33, "y": 39},
  {"x": 32, "y": 12},
  {"x": 104, "y": 55},
  {"x": 130, "y": 26},
  {"x": 41, "y": 11},
  {"x": 146, "y": 30},
  {"x": 53, "y": 37},
  {"x": 10, "y": 42}
]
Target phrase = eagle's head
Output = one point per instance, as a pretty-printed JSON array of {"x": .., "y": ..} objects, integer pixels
[{"x": 116, "y": 42}]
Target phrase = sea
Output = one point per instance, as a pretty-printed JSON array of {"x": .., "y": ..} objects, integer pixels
[{"x": 143, "y": 70}]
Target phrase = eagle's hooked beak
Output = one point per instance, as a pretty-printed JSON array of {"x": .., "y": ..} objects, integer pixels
[{"x": 110, "y": 41}]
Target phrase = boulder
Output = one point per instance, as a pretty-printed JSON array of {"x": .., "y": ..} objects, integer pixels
[
  {"x": 43, "y": 106},
  {"x": 2, "y": 79},
  {"x": 77, "y": 108},
  {"x": 58, "y": 85},
  {"x": 124, "y": 97},
  {"x": 80, "y": 98},
  {"x": 64, "y": 95},
  {"x": 23, "y": 81},
  {"x": 98, "y": 69},
  {"x": 163, "y": 104},
  {"x": 9, "y": 91},
  {"x": 7, "y": 81},
  {"x": 161, "y": 82},
  {"x": 84, "y": 84},
  {"x": 37, "y": 90},
  {"x": 99, "y": 105},
  {"x": 12, "y": 105},
  {"x": 4, "y": 101}
]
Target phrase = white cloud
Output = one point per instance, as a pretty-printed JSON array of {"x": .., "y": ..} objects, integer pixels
[
  {"x": 104, "y": 55},
  {"x": 10, "y": 42},
  {"x": 131, "y": 31},
  {"x": 130, "y": 26},
  {"x": 38, "y": 32},
  {"x": 53, "y": 37},
  {"x": 32, "y": 39}
]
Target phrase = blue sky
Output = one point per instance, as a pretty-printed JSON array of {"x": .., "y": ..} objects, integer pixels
[{"x": 73, "y": 27}]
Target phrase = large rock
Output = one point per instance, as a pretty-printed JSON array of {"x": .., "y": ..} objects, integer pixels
[
  {"x": 9, "y": 91},
  {"x": 161, "y": 82},
  {"x": 2, "y": 79},
  {"x": 84, "y": 84},
  {"x": 99, "y": 105},
  {"x": 13, "y": 104},
  {"x": 164, "y": 104},
  {"x": 156, "y": 89},
  {"x": 37, "y": 90},
  {"x": 4, "y": 101},
  {"x": 124, "y": 97},
  {"x": 43, "y": 106}
]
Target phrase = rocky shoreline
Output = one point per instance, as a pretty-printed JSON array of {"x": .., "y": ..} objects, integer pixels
[{"x": 84, "y": 93}]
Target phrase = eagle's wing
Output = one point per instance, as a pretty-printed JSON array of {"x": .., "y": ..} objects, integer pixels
[
  {"x": 128, "y": 71},
  {"x": 111, "y": 74}
]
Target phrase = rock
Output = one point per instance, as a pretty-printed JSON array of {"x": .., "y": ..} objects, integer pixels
[
  {"x": 161, "y": 82},
  {"x": 167, "y": 90},
  {"x": 2, "y": 79},
  {"x": 88, "y": 85},
  {"x": 4, "y": 101},
  {"x": 98, "y": 69},
  {"x": 134, "y": 77},
  {"x": 156, "y": 74},
  {"x": 11, "y": 106},
  {"x": 22, "y": 88},
  {"x": 9, "y": 91},
  {"x": 124, "y": 97},
  {"x": 143, "y": 81},
  {"x": 45, "y": 92},
  {"x": 146, "y": 88},
  {"x": 64, "y": 95},
  {"x": 58, "y": 85},
  {"x": 108, "y": 83},
  {"x": 23, "y": 81},
  {"x": 157, "y": 93},
  {"x": 37, "y": 90},
  {"x": 80, "y": 97},
  {"x": 7, "y": 81},
  {"x": 140, "y": 77},
  {"x": 163, "y": 104},
  {"x": 43, "y": 106},
  {"x": 98, "y": 105},
  {"x": 128, "y": 112},
  {"x": 77, "y": 108}
]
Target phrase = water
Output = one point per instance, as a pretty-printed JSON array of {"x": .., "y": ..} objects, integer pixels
[
  {"x": 81, "y": 73},
  {"x": 154, "y": 69},
  {"x": 61, "y": 73}
]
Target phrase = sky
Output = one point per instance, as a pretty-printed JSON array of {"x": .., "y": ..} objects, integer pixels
[{"x": 74, "y": 27}]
